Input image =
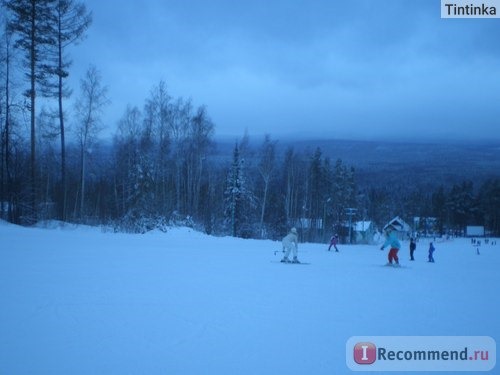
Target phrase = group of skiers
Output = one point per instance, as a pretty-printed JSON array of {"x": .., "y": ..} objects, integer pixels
[
  {"x": 395, "y": 245},
  {"x": 290, "y": 245},
  {"x": 477, "y": 243}
]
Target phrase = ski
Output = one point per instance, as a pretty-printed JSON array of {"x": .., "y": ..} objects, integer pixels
[
  {"x": 277, "y": 261},
  {"x": 393, "y": 266}
]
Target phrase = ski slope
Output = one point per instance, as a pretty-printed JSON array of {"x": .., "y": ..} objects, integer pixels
[{"x": 77, "y": 300}]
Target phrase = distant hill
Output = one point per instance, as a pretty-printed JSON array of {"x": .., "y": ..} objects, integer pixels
[{"x": 379, "y": 162}]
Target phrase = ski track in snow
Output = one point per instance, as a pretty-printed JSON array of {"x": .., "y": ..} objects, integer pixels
[{"x": 77, "y": 300}]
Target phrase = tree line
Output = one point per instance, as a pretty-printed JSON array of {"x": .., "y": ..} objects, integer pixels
[{"x": 162, "y": 165}]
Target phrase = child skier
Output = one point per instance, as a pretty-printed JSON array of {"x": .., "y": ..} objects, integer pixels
[
  {"x": 431, "y": 253},
  {"x": 290, "y": 243},
  {"x": 333, "y": 242},
  {"x": 395, "y": 246}
]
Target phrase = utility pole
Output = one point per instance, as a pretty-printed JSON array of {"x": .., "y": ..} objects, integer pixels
[
  {"x": 350, "y": 212},
  {"x": 324, "y": 217}
]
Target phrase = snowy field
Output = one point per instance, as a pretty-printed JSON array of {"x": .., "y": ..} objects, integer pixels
[{"x": 81, "y": 301}]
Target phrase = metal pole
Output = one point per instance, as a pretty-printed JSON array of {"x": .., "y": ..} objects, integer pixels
[{"x": 350, "y": 213}]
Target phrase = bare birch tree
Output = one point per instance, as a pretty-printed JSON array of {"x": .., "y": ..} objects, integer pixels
[
  {"x": 266, "y": 167},
  {"x": 89, "y": 108}
]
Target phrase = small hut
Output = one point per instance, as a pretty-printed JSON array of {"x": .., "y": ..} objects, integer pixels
[
  {"x": 364, "y": 232},
  {"x": 403, "y": 229}
]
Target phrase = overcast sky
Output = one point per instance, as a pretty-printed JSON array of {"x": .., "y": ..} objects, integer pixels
[{"x": 364, "y": 69}]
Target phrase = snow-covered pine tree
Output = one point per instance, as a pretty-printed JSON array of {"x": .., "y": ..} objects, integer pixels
[
  {"x": 344, "y": 190},
  {"x": 237, "y": 197}
]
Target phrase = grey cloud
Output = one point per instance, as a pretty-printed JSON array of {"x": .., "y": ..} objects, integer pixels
[{"x": 356, "y": 68}]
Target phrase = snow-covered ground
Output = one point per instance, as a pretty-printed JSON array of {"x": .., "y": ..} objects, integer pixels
[{"x": 81, "y": 301}]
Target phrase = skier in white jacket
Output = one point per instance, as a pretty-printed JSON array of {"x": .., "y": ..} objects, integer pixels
[{"x": 290, "y": 243}]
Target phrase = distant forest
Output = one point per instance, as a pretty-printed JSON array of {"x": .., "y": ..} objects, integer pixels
[{"x": 163, "y": 165}]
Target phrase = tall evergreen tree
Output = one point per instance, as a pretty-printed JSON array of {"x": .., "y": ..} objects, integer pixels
[
  {"x": 344, "y": 196},
  {"x": 233, "y": 192},
  {"x": 32, "y": 22},
  {"x": 237, "y": 196},
  {"x": 5, "y": 111}
]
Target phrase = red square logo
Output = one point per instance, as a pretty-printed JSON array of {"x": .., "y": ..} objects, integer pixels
[{"x": 365, "y": 353}]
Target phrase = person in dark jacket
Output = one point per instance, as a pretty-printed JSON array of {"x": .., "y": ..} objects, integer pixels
[
  {"x": 431, "y": 253},
  {"x": 413, "y": 246}
]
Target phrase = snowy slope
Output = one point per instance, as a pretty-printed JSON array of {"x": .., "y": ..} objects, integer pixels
[{"x": 80, "y": 301}]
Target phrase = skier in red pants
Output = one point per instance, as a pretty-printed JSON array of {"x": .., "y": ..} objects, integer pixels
[{"x": 395, "y": 245}]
